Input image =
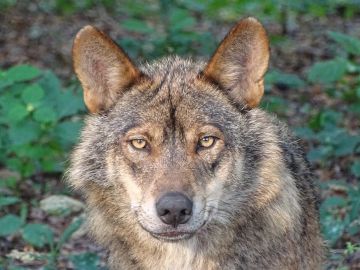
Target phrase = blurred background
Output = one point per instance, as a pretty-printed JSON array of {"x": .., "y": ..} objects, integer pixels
[{"x": 313, "y": 84}]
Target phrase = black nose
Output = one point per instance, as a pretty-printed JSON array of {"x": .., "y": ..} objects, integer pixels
[{"x": 174, "y": 208}]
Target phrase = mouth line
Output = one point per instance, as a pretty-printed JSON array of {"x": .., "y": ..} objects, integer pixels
[{"x": 173, "y": 235}]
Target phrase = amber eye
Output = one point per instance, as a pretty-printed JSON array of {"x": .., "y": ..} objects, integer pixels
[
  {"x": 138, "y": 143},
  {"x": 207, "y": 141}
]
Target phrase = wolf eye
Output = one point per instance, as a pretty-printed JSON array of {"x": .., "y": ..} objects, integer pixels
[
  {"x": 206, "y": 141},
  {"x": 138, "y": 143}
]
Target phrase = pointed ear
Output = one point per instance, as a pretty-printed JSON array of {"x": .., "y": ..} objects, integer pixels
[
  {"x": 240, "y": 62},
  {"x": 102, "y": 67}
]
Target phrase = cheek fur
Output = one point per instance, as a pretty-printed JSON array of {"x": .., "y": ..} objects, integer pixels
[{"x": 213, "y": 156}]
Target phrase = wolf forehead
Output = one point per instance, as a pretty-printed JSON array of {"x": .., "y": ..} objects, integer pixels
[{"x": 171, "y": 93}]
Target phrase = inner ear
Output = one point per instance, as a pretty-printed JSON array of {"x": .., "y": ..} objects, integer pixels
[
  {"x": 102, "y": 67},
  {"x": 240, "y": 62}
]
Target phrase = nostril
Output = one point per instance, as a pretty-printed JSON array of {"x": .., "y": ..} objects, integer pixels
[
  {"x": 164, "y": 212},
  {"x": 185, "y": 212}
]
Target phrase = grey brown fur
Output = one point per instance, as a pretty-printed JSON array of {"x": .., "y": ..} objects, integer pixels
[{"x": 255, "y": 205}]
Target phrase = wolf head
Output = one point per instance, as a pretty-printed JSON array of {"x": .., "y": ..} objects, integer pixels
[{"x": 172, "y": 147}]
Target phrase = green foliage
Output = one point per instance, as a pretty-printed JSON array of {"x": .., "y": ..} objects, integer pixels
[
  {"x": 5, "y": 4},
  {"x": 340, "y": 214},
  {"x": 35, "y": 113},
  {"x": 21, "y": 73},
  {"x": 37, "y": 234},
  {"x": 219, "y": 9},
  {"x": 137, "y": 26},
  {"x": 332, "y": 143},
  {"x": 8, "y": 200},
  {"x": 327, "y": 71},
  {"x": 41, "y": 236},
  {"x": 284, "y": 79},
  {"x": 348, "y": 43},
  {"x": 10, "y": 224},
  {"x": 170, "y": 32},
  {"x": 85, "y": 261},
  {"x": 351, "y": 248},
  {"x": 39, "y": 124},
  {"x": 355, "y": 168}
]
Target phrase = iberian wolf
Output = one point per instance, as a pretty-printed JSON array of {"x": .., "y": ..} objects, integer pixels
[{"x": 179, "y": 167}]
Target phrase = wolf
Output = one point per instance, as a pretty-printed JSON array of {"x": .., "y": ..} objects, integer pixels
[{"x": 179, "y": 167}]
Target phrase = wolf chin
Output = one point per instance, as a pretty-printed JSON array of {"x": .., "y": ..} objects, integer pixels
[{"x": 181, "y": 170}]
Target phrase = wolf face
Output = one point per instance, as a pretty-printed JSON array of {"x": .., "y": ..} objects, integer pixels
[
  {"x": 175, "y": 152},
  {"x": 171, "y": 143}
]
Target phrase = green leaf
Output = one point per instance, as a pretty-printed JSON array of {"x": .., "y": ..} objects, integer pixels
[
  {"x": 22, "y": 73},
  {"x": 332, "y": 229},
  {"x": 305, "y": 133},
  {"x": 7, "y": 101},
  {"x": 52, "y": 165},
  {"x": 45, "y": 114},
  {"x": 85, "y": 261},
  {"x": 332, "y": 202},
  {"x": 327, "y": 71},
  {"x": 358, "y": 91},
  {"x": 329, "y": 118},
  {"x": 136, "y": 26},
  {"x": 346, "y": 145},
  {"x": 4, "y": 81},
  {"x": 355, "y": 168},
  {"x": 9, "y": 200},
  {"x": 287, "y": 79},
  {"x": 319, "y": 153},
  {"x": 22, "y": 133},
  {"x": 9, "y": 182},
  {"x": 50, "y": 83},
  {"x": 355, "y": 210},
  {"x": 354, "y": 108},
  {"x": 9, "y": 224},
  {"x": 181, "y": 19},
  {"x": 195, "y": 5},
  {"x": 33, "y": 94},
  {"x": 37, "y": 234},
  {"x": 64, "y": 103},
  {"x": 68, "y": 103},
  {"x": 33, "y": 152},
  {"x": 68, "y": 132},
  {"x": 17, "y": 113},
  {"x": 349, "y": 43},
  {"x": 330, "y": 135},
  {"x": 354, "y": 228}
]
